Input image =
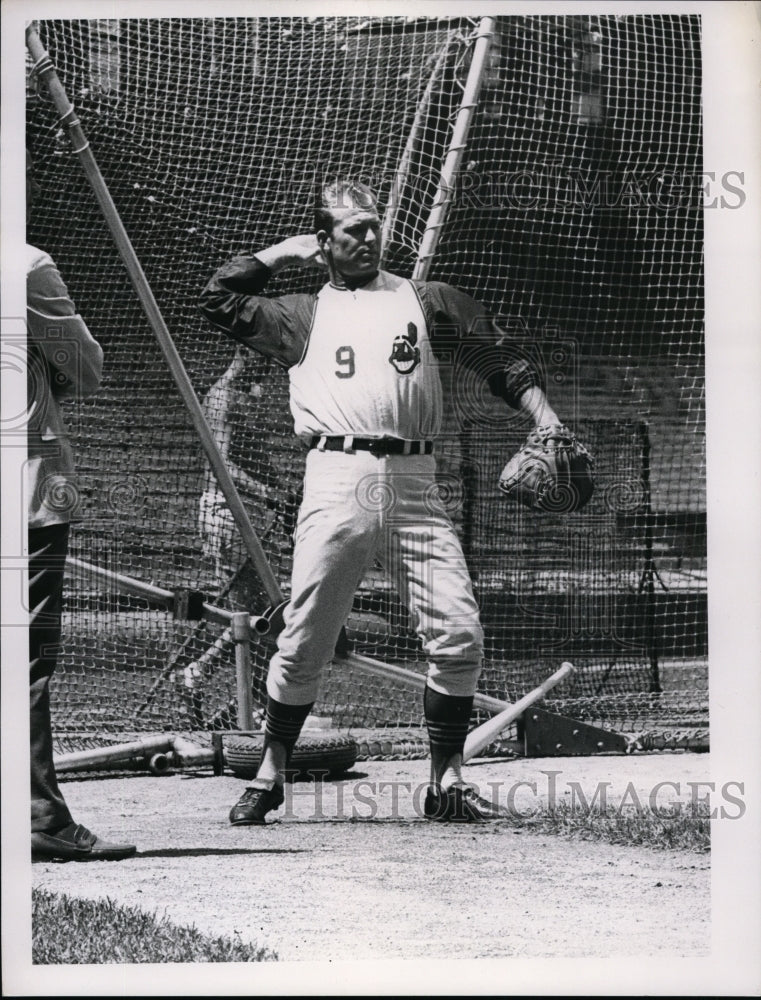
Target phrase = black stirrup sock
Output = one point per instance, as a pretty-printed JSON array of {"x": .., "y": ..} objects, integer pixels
[
  {"x": 448, "y": 720},
  {"x": 284, "y": 723}
]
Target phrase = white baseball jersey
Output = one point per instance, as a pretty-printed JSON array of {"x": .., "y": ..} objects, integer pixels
[{"x": 368, "y": 368}]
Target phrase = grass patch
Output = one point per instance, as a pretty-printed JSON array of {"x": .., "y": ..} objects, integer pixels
[
  {"x": 684, "y": 829},
  {"x": 68, "y": 931}
]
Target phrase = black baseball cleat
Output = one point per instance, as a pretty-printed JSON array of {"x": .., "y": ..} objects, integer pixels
[
  {"x": 76, "y": 843},
  {"x": 254, "y": 805},
  {"x": 460, "y": 804}
]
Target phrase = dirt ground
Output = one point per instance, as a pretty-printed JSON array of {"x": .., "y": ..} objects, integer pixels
[{"x": 350, "y": 870}]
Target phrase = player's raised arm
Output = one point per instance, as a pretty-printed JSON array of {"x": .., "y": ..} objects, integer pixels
[
  {"x": 233, "y": 300},
  {"x": 297, "y": 251}
]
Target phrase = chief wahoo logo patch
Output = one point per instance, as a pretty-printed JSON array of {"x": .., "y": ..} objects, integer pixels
[{"x": 405, "y": 354}]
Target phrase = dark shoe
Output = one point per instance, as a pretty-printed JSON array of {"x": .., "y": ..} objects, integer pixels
[
  {"x": 460, "y": 804},
  {"x": 76, "y": 843},
  {"x": 254, "y": 805}
]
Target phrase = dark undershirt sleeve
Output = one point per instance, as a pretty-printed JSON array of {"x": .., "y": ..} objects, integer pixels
[
  {"x": 277, "y": 328},
  {"x": 463, "y": 330}
]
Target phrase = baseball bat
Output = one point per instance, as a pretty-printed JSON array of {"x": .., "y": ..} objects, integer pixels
[
  {"x": 490, "y": 730},
  {"x": 390, "y": 671}
]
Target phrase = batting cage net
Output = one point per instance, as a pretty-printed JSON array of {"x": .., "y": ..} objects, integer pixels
[{"x": 576, "y": 215}]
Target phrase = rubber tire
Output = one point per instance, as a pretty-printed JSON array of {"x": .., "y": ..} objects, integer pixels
[{"x": 312, "y": 756}]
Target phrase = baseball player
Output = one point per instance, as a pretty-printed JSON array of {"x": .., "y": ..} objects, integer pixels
[{"x": 366, "y": 398}]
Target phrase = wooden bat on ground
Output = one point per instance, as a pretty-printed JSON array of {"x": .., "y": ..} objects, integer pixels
[
  {"x": 490, "y": 730},
  {"x": 187, "y": 753},
  {"x": 390, "y": 671}
]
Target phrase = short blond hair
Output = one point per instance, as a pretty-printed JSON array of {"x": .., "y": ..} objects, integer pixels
[{"x": 338, "y": 193}]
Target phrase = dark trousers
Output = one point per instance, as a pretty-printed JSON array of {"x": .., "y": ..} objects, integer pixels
[{"x": 47, "y": 558}]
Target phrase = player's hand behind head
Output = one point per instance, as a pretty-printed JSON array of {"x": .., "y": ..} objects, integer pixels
[
  {"x": 305, "y": 250},
  {"x": 296, "y": 251}
]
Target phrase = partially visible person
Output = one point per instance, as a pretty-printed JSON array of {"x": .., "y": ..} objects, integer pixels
[
  {"x": 230, "y": 409},
  {"x": 64, "y": 360},
  {"x": 222, "y": 544}
]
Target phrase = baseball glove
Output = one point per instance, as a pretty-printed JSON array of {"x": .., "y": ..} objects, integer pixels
[{"x": 552, "y": 472}]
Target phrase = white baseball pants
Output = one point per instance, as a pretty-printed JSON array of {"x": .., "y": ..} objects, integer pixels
[{"x": 357, "y": 506}]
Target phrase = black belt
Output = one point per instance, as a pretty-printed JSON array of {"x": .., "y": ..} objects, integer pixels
[{"x": 376, "y": 446}]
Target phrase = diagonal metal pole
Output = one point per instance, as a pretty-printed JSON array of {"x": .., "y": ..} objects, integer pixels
[{"x": 43, "y": 67}]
